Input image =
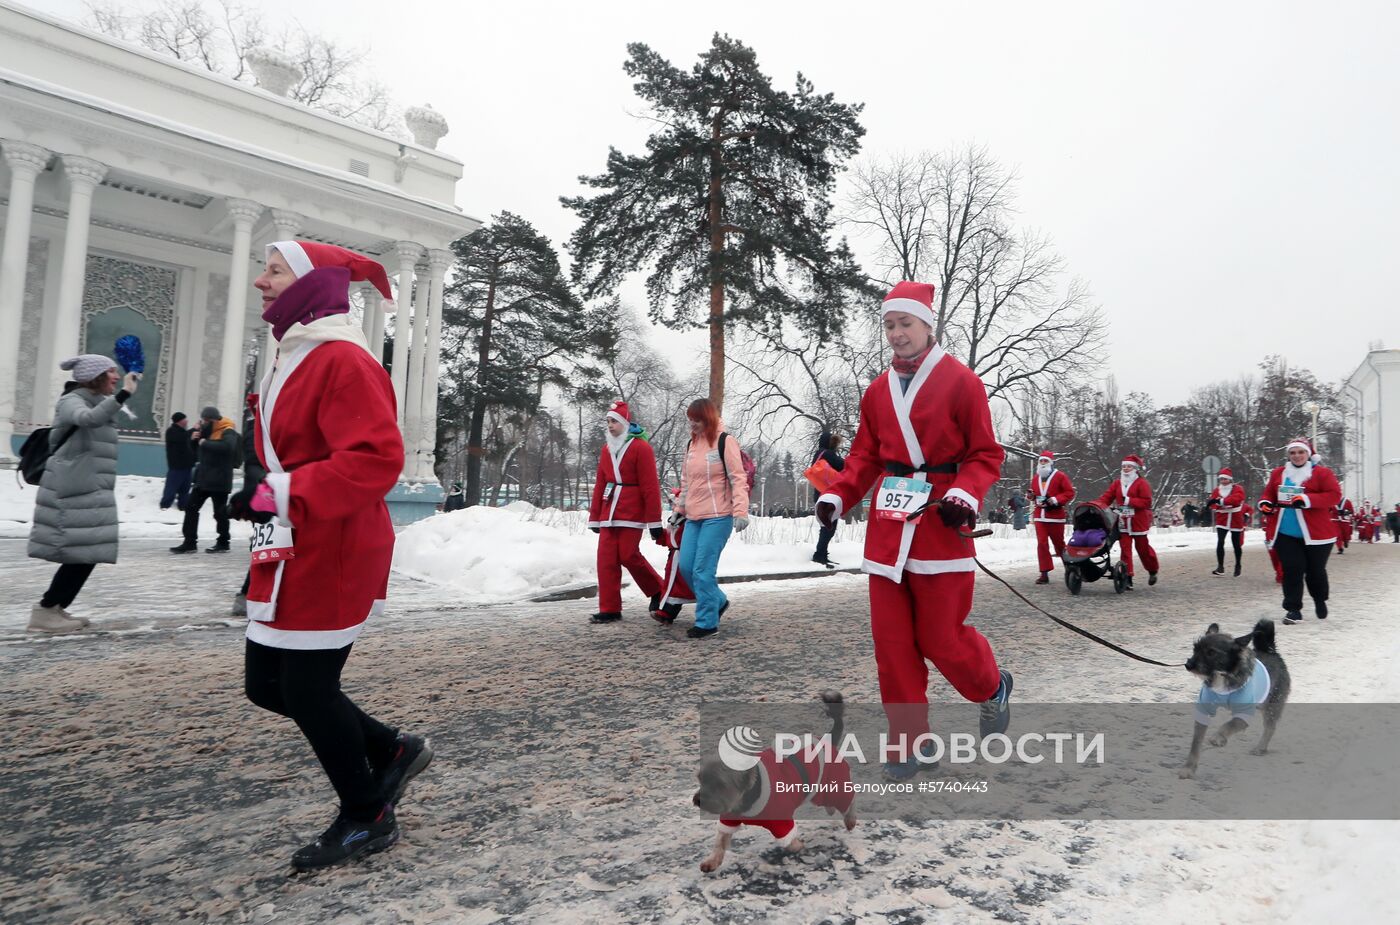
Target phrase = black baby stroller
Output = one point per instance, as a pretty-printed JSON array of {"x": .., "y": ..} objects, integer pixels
[{"x": 1092, "y": 562}]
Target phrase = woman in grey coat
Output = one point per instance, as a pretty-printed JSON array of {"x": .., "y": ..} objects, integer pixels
[{"x": 75, "y": 517}]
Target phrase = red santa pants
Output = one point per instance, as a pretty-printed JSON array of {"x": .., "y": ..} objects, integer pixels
[
  {"x": 1343, "y": 534},
  {"x": 918, "y": 620},
  {"x": 1144, "y": 551},
  {"x": 618, "y": 548},
  {"x": 1278, "y": 566},
  {"x": 1054, "y": 533}
]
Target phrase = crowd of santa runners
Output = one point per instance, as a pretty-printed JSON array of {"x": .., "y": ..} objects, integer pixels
[{"x": 327, "y": 448}]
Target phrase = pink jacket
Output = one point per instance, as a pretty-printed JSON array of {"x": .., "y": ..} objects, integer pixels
[{"x": 703, "y": 492}]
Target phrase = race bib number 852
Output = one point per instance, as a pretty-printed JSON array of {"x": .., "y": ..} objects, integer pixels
[{"x": 272, "y": 542}]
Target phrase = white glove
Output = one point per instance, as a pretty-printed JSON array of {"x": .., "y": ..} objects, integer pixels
[{"x": 741, "y": 523}]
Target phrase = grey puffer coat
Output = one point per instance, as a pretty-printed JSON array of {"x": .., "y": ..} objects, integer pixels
[{"x": 75, "y": 517}]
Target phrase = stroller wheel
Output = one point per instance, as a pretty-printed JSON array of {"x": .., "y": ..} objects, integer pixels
[
  {"x": 1120, "y": 578},
  {"x": 1074, "y": 580}
]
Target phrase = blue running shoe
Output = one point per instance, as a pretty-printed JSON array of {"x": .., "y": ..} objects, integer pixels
[{"x": 996, "y": 713}]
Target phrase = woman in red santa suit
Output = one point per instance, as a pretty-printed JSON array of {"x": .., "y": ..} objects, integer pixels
[
  {"x": 626, "y": 501},
  {"x": 1303, "y": 493},
  {"x": 1227, "y": 501},
  {"x": 1133, "y": 497},
  {"x": 327, "y": 432},
  {"x": 1051, "y": 493},
  {"x": 926, "y": 439}
]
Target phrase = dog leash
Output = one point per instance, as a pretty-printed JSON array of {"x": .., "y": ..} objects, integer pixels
[{"x": 975, "y": 534}]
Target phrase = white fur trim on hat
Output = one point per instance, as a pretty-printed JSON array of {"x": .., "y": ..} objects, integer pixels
[
  {"x": 295, "y": 256},
  {"x": 909, "y": 307}
]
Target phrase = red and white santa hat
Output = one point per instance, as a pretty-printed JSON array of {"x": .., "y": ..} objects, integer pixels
[
  {"x": 1226, "y": 474},
  {"x": 1306, "y": 444},
  {"x": 912, "y": 298},
  {"x": 1133, "y": 460},
  {"x": 1046, "y": 457},
  {"x": 618, "y": 412},
  {"x": 305, "y": 256}
]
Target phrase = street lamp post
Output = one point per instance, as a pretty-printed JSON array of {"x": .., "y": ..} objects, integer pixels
[{"x": 1312, "y": 409}]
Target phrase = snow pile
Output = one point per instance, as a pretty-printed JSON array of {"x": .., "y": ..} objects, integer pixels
[
  {"x": 503, "y": 554},
  {"x": 138, "y": 507}
]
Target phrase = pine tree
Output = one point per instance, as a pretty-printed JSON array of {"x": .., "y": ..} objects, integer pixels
[
  {"x": 512, "y": 326},
  {"x": 730, "y": 206}
]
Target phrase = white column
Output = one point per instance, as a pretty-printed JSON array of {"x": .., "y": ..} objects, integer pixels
[
  {"x": 369, "y": 296},
  {"x": 413, "y": 401},
  {"x": 83, "y": 175},
  {"x": 244, "y": 213},
  {"x": 26, "y": 162},
  {"x": 408, "y": 254},
  {"x": 438, "y": 262}
]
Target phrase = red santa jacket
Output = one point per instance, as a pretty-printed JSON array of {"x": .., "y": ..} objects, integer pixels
[
  {"x": 1229, "y": 513},
  {"x": 942, "y": 418},
  {"x": 1139, "y": 500},
  {"x": 804, "y": 777},
  {"x": 626, "y": 492},
  {"x": 1321, "y": 492},
  {"x": 1057, "y": 489},
  {"x": 327, "y": 431}
]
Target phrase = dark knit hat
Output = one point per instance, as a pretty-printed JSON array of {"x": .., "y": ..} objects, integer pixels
[
  {"x": 210, "y": 413},
  {"x": 177, "y": 417}
]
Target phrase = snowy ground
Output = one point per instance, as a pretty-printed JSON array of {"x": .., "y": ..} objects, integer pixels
[{"x": 143, "y": 788}]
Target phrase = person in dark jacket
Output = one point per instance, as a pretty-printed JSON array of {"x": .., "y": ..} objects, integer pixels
[
  {"x": 1392, "y": 523},
  {"x": 828, "y": 448},
  {"x": 456, "y": 499},
  {"x": 179, "y": 463},
  {"x": 220, "y": 452},
  {"x": 1190, "y": 514}
]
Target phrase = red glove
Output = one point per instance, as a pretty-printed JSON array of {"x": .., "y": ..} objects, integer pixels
[
  {"x": 956, "y": 513},
  {"x": 1268, "y": 507}
]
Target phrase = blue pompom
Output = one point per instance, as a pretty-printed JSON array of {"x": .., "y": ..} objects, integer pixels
[{"x": 129, "y": 354}]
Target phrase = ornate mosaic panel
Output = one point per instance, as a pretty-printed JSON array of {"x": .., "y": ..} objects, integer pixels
[
  {"x": 32, "y": 316},
  {"x": 215, "y": 317},
  {"x": 123, "y": 297}
]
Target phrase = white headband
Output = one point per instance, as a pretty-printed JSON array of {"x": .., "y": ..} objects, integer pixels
[{"x": 294, "y": 254}]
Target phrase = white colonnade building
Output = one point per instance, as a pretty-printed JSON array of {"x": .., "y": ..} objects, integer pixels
[{"x": 137, "y": 194}]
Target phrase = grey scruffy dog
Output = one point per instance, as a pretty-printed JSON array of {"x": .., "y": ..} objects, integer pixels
[{"x": 1240, "y": 674}]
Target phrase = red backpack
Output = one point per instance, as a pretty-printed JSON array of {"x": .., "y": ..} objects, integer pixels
[{"x": 750, "y": 470}]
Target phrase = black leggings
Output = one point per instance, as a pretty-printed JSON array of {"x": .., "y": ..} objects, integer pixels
[
  {"x": 1303, "y": 563},
  {"x": 304, "y": 685},
  {"x": 1236, "y": 539},
  {"x": 67, "y": 582}
]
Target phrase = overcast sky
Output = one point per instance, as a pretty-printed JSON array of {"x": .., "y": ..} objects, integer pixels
[{"x": 1223, "y": 175}]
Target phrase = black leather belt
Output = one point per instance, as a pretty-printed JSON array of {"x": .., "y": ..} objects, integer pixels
[{"x": 904, "y": 470}]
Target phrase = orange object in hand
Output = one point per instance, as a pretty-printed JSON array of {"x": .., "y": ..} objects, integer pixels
[{"x": 821, "y": 475}]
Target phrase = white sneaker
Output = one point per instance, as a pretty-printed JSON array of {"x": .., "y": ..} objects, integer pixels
[
  {"x": 84, "y": 621},
  {"x": 52, "y": 621}
]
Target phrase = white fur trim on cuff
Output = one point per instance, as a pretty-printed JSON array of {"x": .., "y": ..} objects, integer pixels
[
  {"x": 964, "y": 496},
  {"x": 909, "y": 307},
  {"x": 294, "y": 254},
  {"x": 787, "y": 839},
  {"x": 731, "y": 829},
  {"x": 281, "y": 483},
  {"x": 834, "y": 500}
]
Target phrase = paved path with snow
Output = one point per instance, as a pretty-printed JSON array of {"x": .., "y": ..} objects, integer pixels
[{"x": 141, "y": 787}]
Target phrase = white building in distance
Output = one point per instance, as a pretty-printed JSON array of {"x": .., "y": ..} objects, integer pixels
[
  {"x": 1373, "y": 447},
  {"x": 138, "y": 193}
]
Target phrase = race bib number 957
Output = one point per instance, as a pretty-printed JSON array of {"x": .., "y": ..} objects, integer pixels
[{"x": 898, "y": 498}]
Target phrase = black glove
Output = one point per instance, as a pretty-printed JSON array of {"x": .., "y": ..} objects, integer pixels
[
  {"x": 956, "y": 513},
  {"x": 826, "y": 513},
  {"x": 1268, "y": 507},
  {"x": 1212, "y": 502},
  {"x": 595, "y": 529},
  {"x": 239, "y": 501},
  {"x": 1296, "y": 502},
  {"x": 657, "y": 533}
]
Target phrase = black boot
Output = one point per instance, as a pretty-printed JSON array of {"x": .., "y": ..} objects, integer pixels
[
  {"x": 412, "y": 754},
  {"x": 220, "y": 546},
  {"x": 346, "y": 840},
  {"x": 1044, "y": 578},
  {"x": 1292, "y": 617},
  {"x": 606, "y": 617},
  {"x": 1151, "y": 578},
  {"x": 1320, "y": 608},
  {"x": 185, "y": 547},
  {"x": 1237, "y": 568}
]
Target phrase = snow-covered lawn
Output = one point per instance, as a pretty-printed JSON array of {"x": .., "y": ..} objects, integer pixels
[{"x": 138, "y": 507}]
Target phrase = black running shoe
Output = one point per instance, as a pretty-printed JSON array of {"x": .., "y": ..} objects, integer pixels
[
  {"x": 413, "y": 754},
  {"x": 607, "y": 617},
  {"x": 1219, "y": 570},
  {"x": 1237, "y": 570},
  {"x": 996, "y": 713},
  {"x": 1293, "y": 616},
  {"x": 1151, "y": 578},
  {"x": 696, "y": 632},
  {"x": 184, "y": 548},
  {"x": 346, "y": 840},
  {"x": 218, "y": 547}
]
